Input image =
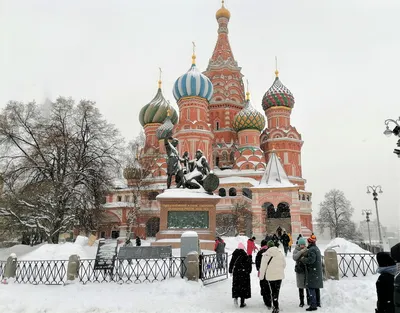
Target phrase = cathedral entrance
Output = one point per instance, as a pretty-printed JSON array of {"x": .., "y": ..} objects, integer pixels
[{"x": 277, "y": 219}]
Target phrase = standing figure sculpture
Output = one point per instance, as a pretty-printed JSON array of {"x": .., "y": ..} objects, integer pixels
[{"x": 173, "y": 162}]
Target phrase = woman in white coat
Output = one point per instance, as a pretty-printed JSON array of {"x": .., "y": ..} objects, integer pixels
[{"x": 272, "y": 270}]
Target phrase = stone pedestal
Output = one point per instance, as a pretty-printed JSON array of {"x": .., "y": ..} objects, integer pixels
[{"x": 182, "y": 210}]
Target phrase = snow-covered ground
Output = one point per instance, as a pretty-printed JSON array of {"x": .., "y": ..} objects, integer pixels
[{"x": 173, "y": 295}]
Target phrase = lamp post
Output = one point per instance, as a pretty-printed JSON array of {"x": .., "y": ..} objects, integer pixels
[
  {"x": 395, "y": 131},
  {"x": 367, "y": 213},
  {"x": 375, "y": 190}
]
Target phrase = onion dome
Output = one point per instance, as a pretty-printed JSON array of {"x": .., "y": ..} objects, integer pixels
[
  {"x": 249, "y": 118},
  {"x": 193, "y": 84},
  {"x": 223, "y": 12},
  {"x": 165, "y": 130},
  {"x": 156, "y": 110},
  {"x": 277, "y": 95}
]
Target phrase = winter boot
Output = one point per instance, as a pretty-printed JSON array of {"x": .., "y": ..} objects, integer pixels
[
  {"x": 242, "y": 304},
  {"x": 275, "y": 310},
  {"x": 311, "y": 309},
  {"x": 301, "y": 297}
]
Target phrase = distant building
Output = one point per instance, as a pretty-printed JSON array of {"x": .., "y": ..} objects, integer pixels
[{"x": 257, "y": 165}]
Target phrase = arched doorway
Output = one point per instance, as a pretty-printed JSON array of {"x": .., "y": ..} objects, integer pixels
[
  {"x": 152, "y": 226},
  {"x": 109, "y": 226},
  {"x": 277, "y": 218}
]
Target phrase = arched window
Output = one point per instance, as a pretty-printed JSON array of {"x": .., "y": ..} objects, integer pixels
[
  {"x": 283, "y": 210},
  {"x": 222, "y": 192},
  {"x": 303, "y": 197},
  {"x": 232, "y": 156},
  {"x": 247, "y": 193},
  {"x": 217, "y": 125},
  {"x": 232, "y": 192},
  {"x": 269, "y": 209},
  {"x": 224, "y": 156}
]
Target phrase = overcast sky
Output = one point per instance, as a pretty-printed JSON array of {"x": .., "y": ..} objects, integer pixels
[{"x": 340, "y": 58}]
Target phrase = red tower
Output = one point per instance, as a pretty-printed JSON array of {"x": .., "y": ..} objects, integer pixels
[
  {"x": 228, "y": 98},
  {"x": 280, "y": 135},
  {"x": 192, "y": 91}
]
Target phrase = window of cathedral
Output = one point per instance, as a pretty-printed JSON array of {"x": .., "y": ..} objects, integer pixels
[
  {"x": 119, "y": 198},
  {"x": 222, "y": 192},
  {"x": 152, "y": 195},
  {"x": 247, "y": 193},
  {"x": 232, "y": 156},
  {"x": 232, "y": 192},
  {"x": 217, "y": 125},
  {"x": 283, "y": 210},
  {"x": 225, "y": 156},
  {"x": 127, "y": 198}
]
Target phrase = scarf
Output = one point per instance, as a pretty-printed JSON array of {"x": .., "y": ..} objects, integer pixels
[{"x": 387, "y": 269}]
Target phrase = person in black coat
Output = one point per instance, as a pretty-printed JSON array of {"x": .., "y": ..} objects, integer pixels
[
  {"x": 138, "y": 241},
  {"x": 395, "y": 254},
  {"x": 240, "y": 267},
  {"x": 384, "y": 284},
  {"x": 285, "y": 241}
]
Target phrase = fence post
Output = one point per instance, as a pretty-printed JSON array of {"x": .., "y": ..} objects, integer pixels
[
  {"x": 10, "y": 269},
  {"x": 73, "y": 267},
  {"x": 331, "y": 264},
  {"x": 192, "y": 261}
]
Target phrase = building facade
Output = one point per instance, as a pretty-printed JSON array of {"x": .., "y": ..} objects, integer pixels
[{"x": 256, "y": 156}]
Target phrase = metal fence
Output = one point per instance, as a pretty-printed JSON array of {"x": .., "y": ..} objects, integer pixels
[
  {"x": 213, "y": 267},
  {"x": 54, "y": 272},
  {"x": 357, "y": 264}
]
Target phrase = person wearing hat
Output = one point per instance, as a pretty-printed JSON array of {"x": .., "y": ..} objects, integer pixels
[
  {"x": 395, "y": 254},
  {"x": 240, "y": 267},
  {"x": 272, "y": 272},
  {"x": 313, "y": 262},
  {"x": 385, "y": 283},
  {"x": 300, "y": 269}
]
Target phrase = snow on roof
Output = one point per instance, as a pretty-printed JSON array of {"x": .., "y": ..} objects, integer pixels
[
  {"x": 275, "y": 175},
  {"x": 237, "y": 179},
  {"x": 185, "y": 193}
]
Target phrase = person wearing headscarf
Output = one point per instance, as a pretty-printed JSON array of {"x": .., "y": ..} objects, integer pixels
[
  {"x": 300, "y": 269},
  {"x": 240, "y": 268},
  {"x": 314, "y": 275},
  {"x": 385, "y": 283}
]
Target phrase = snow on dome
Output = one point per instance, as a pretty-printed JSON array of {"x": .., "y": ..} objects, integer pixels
[
  {"x": 165, "y": 130},
  {"x": 193, "y": 84},
  {"x": 277, "y": 95},
  {"x": 249, "y": 118},
  {"x": 156, "y": 110}
]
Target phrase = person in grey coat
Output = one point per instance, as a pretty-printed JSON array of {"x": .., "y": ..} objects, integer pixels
[
  {"x": 314, "y": 276},
  {"x": 300, "y": 269}
]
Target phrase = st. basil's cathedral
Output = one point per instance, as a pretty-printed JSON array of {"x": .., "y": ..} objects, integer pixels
[{"x": 256, "y": 165}]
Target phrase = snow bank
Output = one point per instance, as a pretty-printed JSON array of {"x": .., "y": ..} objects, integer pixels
[
  {"x": 57, "y": 252},
  {"x": 82, "y": 241},
  {"x": 345, "y": 246},
  {"x": 19, "y": 250}
]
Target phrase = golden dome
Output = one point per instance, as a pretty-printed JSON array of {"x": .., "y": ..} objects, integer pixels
[{"x": 223, "y": 12}]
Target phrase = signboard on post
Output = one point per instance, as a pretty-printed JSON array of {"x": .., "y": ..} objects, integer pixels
[
  {"x": 106, "y": 255},
  {"x": 149, "y": 252}
]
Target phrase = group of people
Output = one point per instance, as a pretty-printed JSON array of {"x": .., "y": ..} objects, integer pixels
[{"x": 271, "y": 263}]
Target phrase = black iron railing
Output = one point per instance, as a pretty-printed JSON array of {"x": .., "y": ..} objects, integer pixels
[
  {"x": 133, "y": 271},
  {"x": 41, "y": 272},
  {"x": 357, "y": 264},
  {"x": 213, "y": 267},
  {"x": 2, "y": 266}
]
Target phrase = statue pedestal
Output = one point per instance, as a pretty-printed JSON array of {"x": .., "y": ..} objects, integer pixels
[{"x": 182, "y": 210}]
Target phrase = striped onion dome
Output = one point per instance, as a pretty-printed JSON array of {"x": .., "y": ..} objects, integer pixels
[
  {"x": 249, "y": 118},
  {"x": 193, "y": 84},
  {"x": 165, "y": 130},
  {"x": 277, "y": 95},
  {"x": 156, "y": 110}
]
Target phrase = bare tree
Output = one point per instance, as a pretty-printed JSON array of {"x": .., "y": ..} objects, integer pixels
[
  {"x": 335, "y": 213},
  {"x": 139, "y": 171},
  {"x": 56, "y": 165},
  {"x": 237, "y": 220}
]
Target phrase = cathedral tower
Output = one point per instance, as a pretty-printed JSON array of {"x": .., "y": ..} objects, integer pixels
[
  {"x": 228, "y": 98},
  {"x": 280, "y": 135},
  {"x": 193, "y": 91}
]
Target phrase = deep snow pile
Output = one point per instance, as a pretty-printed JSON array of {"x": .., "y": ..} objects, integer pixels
[{"x": 346, "y": 246}]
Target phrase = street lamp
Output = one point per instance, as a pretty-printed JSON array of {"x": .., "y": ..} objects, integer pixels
[
  {"x": 396, "y": 131},
  {"x": 375, "y": 190},
  {"x": 367, "y": 213}
]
